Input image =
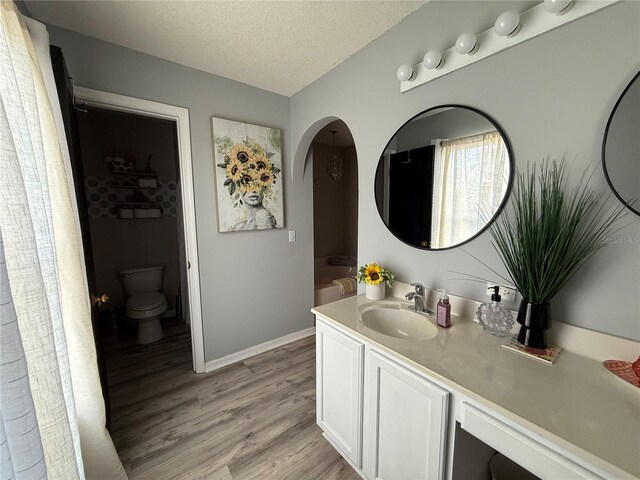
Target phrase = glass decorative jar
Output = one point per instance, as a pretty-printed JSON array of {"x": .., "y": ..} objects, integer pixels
[{"x": 495, "y": 318}]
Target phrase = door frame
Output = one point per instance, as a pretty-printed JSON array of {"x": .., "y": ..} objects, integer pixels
[{"x": 180, "y": 115}]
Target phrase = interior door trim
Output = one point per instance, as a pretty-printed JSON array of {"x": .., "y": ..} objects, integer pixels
[{"x": 179, "y": 115}]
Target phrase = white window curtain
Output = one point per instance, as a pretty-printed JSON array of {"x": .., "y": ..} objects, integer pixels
[
  {"x": 470, "y": 178},
  {"x": 45, "y": 278}
]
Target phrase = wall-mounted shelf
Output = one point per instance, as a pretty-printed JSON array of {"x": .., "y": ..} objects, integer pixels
[
  {"x": 107, "y": 195},
  {"x": 137, "y": 204},
  {"x": 148, "y": 210},
  {"x": 136, "y": 174}
]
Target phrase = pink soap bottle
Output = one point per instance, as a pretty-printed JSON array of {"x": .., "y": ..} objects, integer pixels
[{"x": 443, "y": 310}]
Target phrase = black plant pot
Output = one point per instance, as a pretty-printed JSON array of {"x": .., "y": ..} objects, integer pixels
[{"x": 535, "y": 319}]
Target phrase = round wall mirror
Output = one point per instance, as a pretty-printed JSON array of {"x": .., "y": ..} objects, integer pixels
[
  {"x": 621, "y": 147},
  {"x": 443, "y": 177}
]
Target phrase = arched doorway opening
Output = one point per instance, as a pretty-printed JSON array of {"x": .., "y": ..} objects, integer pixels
[{"x": 334, "y": 168}]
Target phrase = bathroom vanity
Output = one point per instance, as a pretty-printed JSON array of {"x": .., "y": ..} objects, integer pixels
[{"x": 396, "y": 403}]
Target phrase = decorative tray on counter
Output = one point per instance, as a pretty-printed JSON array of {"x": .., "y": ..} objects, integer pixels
[{"x": 547, "y": 355}]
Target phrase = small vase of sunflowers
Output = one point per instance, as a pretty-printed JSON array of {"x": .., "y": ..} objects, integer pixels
[{"x": 375, "y": 279}]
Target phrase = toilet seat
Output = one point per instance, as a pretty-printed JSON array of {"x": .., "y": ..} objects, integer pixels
[{"x": 146, "y": 305}]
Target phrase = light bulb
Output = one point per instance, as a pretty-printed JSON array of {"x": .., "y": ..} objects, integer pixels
[
  {"x": 433, "y": 59},
  {"x": 557, "y": 6},
  {"x": 466, "y": 44},
  {"x": 507, "y": 23},
  {"x": 405, "y": 72}
]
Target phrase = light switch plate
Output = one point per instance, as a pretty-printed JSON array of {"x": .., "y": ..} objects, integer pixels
[{"x": 292, "y": 236}]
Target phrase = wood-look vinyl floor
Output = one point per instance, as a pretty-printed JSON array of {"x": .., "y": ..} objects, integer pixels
[{"x": 251, "y": 420}]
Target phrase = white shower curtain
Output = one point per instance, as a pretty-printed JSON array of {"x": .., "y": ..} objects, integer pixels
[
  {"x": 45, "y": 273},
  {"x": 470, "y": 179}
]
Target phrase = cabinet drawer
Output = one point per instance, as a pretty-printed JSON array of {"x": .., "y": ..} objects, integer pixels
[{"x": 540, "y": 459}]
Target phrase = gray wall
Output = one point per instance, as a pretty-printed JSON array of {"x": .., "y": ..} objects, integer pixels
[
  {"x": 255, "y": 285},
  {"x": 552, "y": 95},
  {"x": 351, "y": 199},
  {"x": 335, "y": 203}
]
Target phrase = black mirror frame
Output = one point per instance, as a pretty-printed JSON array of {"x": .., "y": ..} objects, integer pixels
[
  {"x": 507, "y": 192},
  {"x": 635, "y": 78}
]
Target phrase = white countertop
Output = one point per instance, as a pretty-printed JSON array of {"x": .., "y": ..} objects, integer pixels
[{"x": 575, "y": 402}]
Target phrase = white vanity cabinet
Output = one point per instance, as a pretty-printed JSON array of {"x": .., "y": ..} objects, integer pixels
[
  {"x": 393, "y": 420},
  {"x": 404, "y": 415},
  {"x": 339, "y": 390},
  {"x": 405, "y": 420}
]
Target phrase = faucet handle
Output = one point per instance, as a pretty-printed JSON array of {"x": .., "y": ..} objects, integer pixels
[{"x": 419, "y": 288}]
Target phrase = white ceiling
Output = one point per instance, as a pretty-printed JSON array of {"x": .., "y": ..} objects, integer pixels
[{"x": 280, "y": 46}]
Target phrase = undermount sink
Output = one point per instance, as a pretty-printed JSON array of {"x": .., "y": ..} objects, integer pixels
[{"x": 394, "y": 320}]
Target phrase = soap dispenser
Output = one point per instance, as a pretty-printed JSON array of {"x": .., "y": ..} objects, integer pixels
[
  {"x": 494, "y": 317},
  {"x": 443, "y": 310}
]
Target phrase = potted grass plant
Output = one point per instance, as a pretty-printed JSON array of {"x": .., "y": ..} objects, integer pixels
[{"x": 549, "y": 232}]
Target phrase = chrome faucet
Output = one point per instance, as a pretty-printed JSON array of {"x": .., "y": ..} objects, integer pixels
[{"x": 420, "y": 304}]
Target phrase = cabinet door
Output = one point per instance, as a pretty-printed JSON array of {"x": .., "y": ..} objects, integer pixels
[
  {"x": 339, "y": 382},
  {"x": 405, "y": 423}
]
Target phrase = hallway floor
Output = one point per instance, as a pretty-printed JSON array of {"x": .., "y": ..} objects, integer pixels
[{"x": 251, "y": 420}]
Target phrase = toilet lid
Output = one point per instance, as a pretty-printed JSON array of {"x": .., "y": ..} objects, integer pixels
[{"x": 145, "y": 301}]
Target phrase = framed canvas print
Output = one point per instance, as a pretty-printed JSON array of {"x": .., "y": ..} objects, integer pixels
[{"x": 248, "y": 176}]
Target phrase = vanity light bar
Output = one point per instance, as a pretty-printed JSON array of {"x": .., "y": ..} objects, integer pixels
[{"x": 533, "y": 22}]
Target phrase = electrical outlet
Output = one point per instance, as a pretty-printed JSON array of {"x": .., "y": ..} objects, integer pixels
[
  {"x": 507, "y": 293},
  {"x": 292, "y": 235}
]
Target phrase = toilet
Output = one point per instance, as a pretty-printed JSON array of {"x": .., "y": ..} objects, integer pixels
[{"x": 143, "y": 285}]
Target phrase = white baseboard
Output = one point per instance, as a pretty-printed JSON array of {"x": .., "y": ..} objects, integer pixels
[{"x": 256, "y": 349}]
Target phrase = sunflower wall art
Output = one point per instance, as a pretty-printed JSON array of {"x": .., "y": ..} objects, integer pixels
[{"x": 248, "y": 176}]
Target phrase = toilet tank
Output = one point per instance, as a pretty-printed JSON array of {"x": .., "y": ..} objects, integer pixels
[{"x": 141, "y": 278}]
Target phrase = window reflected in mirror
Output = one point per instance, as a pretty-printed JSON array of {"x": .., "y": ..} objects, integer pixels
[{"x": 443, "y": 177}]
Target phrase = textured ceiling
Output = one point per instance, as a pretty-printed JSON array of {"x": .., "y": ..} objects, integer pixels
[{"x": 280, "y": 46}]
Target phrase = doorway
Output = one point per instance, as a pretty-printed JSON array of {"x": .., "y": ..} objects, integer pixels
[
  {"x": 178, "y": 120},
  {"x": 132, "y": 198},
  {"x": 335, "y": 213}
]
